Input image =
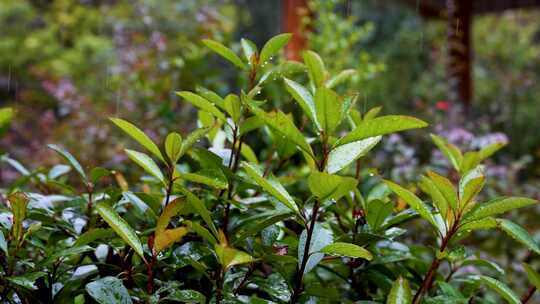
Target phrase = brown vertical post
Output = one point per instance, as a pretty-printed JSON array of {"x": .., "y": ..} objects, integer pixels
[
  {"x": 459, "y": 51},
  {"x": 293, "y": 11}
]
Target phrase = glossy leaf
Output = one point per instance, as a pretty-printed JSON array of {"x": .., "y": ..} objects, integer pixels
[
  {"x": 146, "y": 163},
  {"x": 498, "y": 206},
  {"x": 26, "y": 280},
  {"x": 185, "y": 296},
  {"x": 273, "y": 46},
  {"x": 270, "y": 185},
  {"x": 282, "y": 124},
  {"x": 316, "y": 70},
  {"x": 193, "y": 138},
  {"x": 326, "y": 186},
  {"x": 446, "y": 188},
  {"x": 224, "y": 52},
  {"x": 470, "y": 185},
  {"x": 376, "y": 213},
  {"x": 502, "y": 289},
  {"x": 172, "y": 209},
  {"x": 327, "y": 103},
  {"x": 138, "y": 136},
  {"x": 400, "y": 292},
  {"x": 304, "y": 99},
  {"x": 201, "y": 209},
  {"x": 412, "y": 200},
  {"x": 451, "y": 152},
  {"x": 519, "y": 234},
  {"x": 201, "y": 103},
  {"x": 72, "y": 161},
  {"x": 167, "y": 237},
  {"x": 3, "y": 244},
  {"x": 173, "y": 146},
  {"x": 321, "y": 237},
  {"x": 211, "y": 177},
  {"x": 233, "y": 107},
  {"x": 108, "y": 290},
  {"x": 429, "y": 187},
  {"x": 249, "y": 48},
  {"x": 93, "y": 235},
  {"x": 381, "y": 126},
  {"x": 342, "y": 156},
  {"x": 121, "y": 227},
  {"x": 347, "y": 250},
  {"x": 229, "y": 257}
]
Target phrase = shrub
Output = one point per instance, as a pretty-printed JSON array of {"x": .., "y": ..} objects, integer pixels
[{"x": 270, "y": 212}]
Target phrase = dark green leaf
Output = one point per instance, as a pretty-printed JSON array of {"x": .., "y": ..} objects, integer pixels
[{"x": 108, "y": 290}]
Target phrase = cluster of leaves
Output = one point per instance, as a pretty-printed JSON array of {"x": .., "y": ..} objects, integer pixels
[{"x": 307, "y": 224}]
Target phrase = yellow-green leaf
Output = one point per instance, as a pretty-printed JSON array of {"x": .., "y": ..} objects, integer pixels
[
  {"x": 498, "y": 206},
  {"x": 147, "y": 163},
  {"x": 342, "y": 156},
  {"x": 18, "y": 202},
  {"x": 327, "y": 186},
  {"x": 167, "y": 237},
  {"x": 316, "y": 70},
  {"x": 413, "y": 201},
  {"x": 327, "y": 106},
  {"x": 400, "y": 292},
  {"x": 173, "y": 146},
  {"x": 502, "y": 289},
  {"x": 229, "y": 257},
  {"x": 202, "y": 103},
  {"x": 224, "y": 52},
  {"x": 139, "y": 136},
  {"x": 121, "y": 227},
  {"x": 273, "y": 46},
  {"x": 519, "y": 234},
  {"x": 348, "y": 250}
]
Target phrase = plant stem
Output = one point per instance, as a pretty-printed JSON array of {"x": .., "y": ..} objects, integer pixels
[
  {"x": 528, "y": 295},
  {"x": 300, "y": 275},
  {"x": 219, "y": 286},
  {"x": 428, "y": 279}
]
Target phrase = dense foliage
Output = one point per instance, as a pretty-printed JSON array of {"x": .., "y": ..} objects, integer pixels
[{"x": 257, "y": 205}]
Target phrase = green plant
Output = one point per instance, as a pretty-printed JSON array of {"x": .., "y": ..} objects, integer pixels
[{"x": 307, "y": 223}]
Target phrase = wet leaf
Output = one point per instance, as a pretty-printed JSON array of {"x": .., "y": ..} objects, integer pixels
[
  {"x": 138, "y": 136},
  {"x": 146, "y": 163},
  {"x": 347, "y": 250},
  {"x": 224, "y": 52},
  {"x": 342, "y": 156},
  {"x": 72, "y": 161},
  {"x": 400, "y": 292},
  {"x": 273, "y": 46},
  {"x": 326, "y": 186},
  {"x": 519, "y": 234},
  {"x": 173, "y": 146},
  {"x": 321, "y": 237},
  {"x": 121, "y": 227},
  {"x": 108, "y": 290},
  {"x": 502, "y": 289}
]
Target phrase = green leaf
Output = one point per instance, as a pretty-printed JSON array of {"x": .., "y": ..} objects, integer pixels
[
  {"x": 18, "y": 202},
  {"x": 72, "y": 161},
  {"x": 320, "y": 238},
  {"x": 26, "y": 280},
  {"x": 470, "y": 185},
  {"x": 192, "y": 138},
  {"x": 108, "y": 290},
  {"x": 249, "y": 48},
  {"x": 347, "y": 250},
  {"x": 201, "y": 209},
  {"x": 446, "y": 188},
  {"x": 372, "y": 113},
  {"x": 185, "y": 296},
  {"x": 273, "y": 46},
  {"x": 139, "y": 136},
  {"x": 342, "y": 156},
  {"x": 498, "y": 206},
  {"x": 224, "y": 52},
  {"x": 482, "y": 224},
  {"x": 326, "y": 186},
  {"x": 519, "y": 234},
  {"x": 282, "y": 124},
  {"x": 534, "y": 277},
  {"x": 202, "y": 104},
  {"x": 93, "y": 235},
  {"x": 451, "y": 152},
  {"x": 146, "y": 163},
  {"x": 121, "y": 227},
  {"x": 340, "y": 78},
  {"x": 6, "y": 114},
  {"x": 376, "y": 213},
  {"x": 169, "y": 211},
  {"x": 485, "y": 264},
  {"x": 211, "y": 177},
  {"x": 381, "y": 126},
  {"x": 304, "y": 99},
  {"x": 438, "y": 199},
  {"x": 173, "y": 146},
  {"x": 232, "y": 106},
  {"x": 270, "y": 185},
  {"x": 229, "y": 257},
  {"x": 400, "y": 292},
  {"x": 316, "y": 70},
  {"x": 502, "y": 289},
  {"x": 211, "y": 96},
  {"x": 490, "y": 150},
  {"x": 327, "y": 103},
  {"x": 203, "y": 232},
  {"x": 413, "y": 201}
]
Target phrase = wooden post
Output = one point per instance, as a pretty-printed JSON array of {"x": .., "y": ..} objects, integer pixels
[
  {"x": 293, "y": 11},
  {"x": 459, "y": 51}
]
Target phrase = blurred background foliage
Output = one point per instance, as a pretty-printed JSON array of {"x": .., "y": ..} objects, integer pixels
[{"x": 68, "y": 64}]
